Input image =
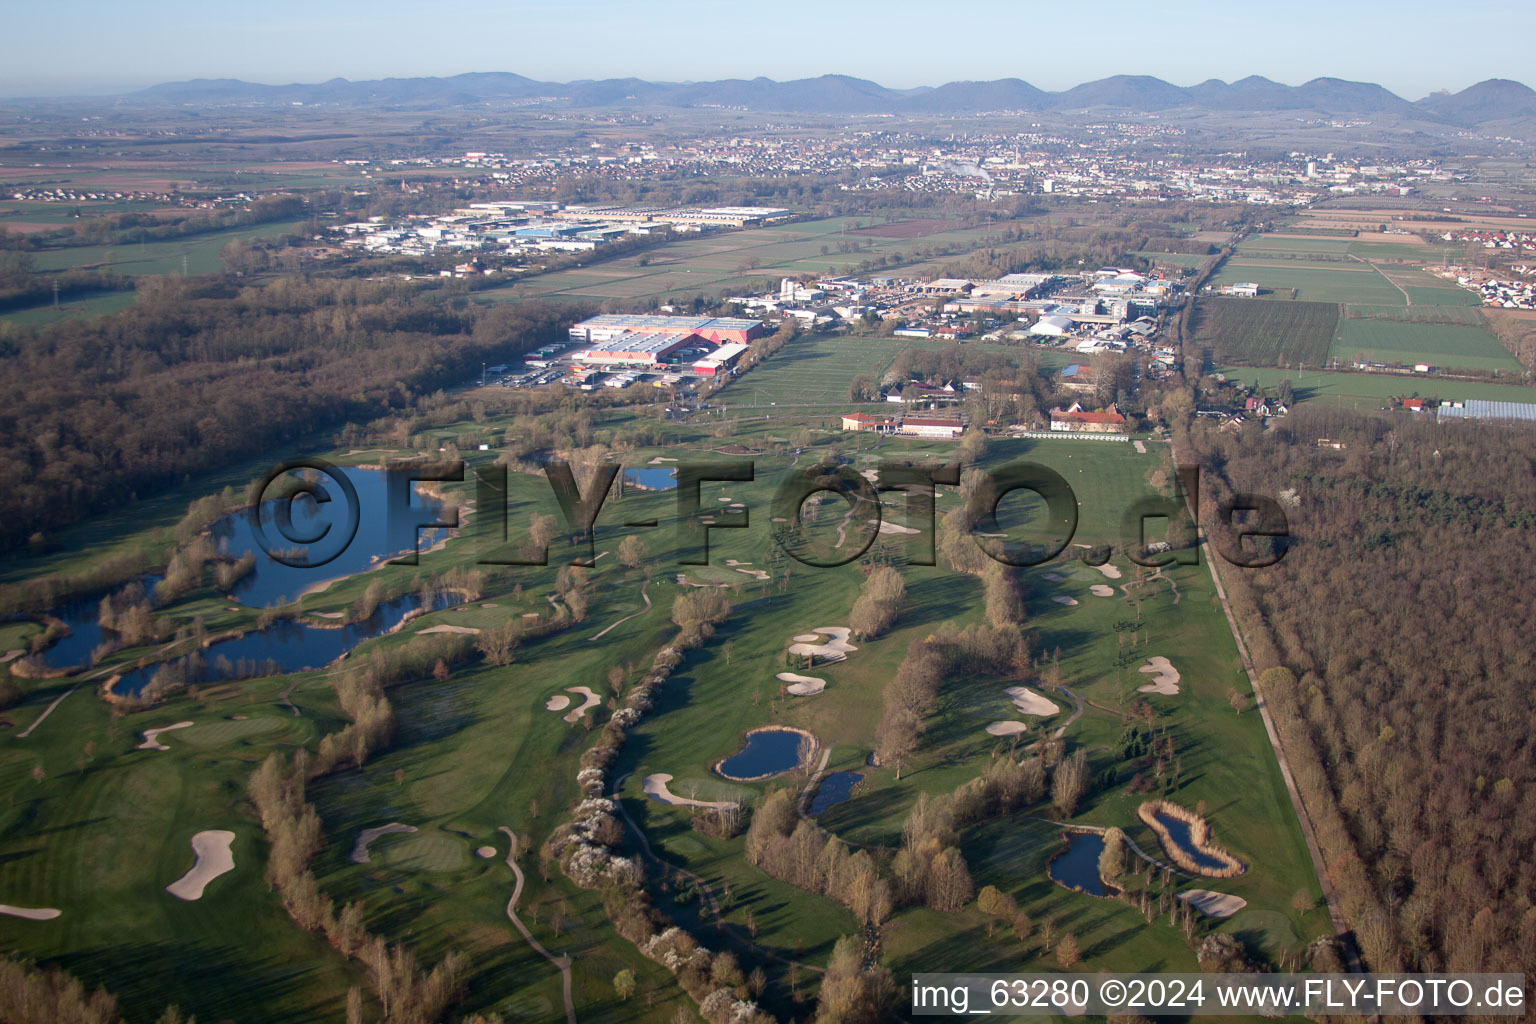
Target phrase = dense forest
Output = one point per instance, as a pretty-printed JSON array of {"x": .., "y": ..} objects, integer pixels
[
  {"x": 1394, "y": 647},
  {"x": 200, "y": 372}
]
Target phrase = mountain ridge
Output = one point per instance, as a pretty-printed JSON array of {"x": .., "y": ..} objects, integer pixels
[{"x": 1491, "y": 100}]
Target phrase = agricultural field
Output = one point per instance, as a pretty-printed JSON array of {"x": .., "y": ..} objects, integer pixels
[
  {"x": 738, "y": 260},
  {"x": 1344, "y": 281},
  {"x": 1175, "y": 259},
  {"x": 1246, "y": 331},
  {"x": 199, "y": 254},
  {"x": 1446, "y": 346}
]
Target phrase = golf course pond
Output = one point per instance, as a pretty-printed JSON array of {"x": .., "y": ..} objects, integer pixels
[
  {"x": 285, "y": 646},
  {"x": 651, "y": 478},
  {"x": 81, "y": 616},
  {"x": 834, "y": 789},
  {"x": 1077, "y": 867},
  {"x": 769, "y": 751},
  {"x": 1177, "y": 833},
  {"x": 380, "y": 535}
]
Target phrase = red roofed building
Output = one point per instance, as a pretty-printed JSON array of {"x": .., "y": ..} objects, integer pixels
[
  {"x": 864, "y": 421},
  {"x": 1075, "y": 420}
]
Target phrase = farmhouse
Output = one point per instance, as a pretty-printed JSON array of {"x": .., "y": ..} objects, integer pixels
[{"x": 1075, "y": 420}]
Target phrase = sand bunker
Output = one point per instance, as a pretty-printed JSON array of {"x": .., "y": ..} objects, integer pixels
[
  {"x": 655, "y": 786},
  {"x": 1054, "y": 577},
  {"x": 1166, "y": 677},
  {"x": 835, "y": 649},
  {"x": 486, "y": 852},
  {"x": 449, "y": 629},
  {"x": 1006, "y": 728},
  {"x": 886, "y": 526},
  {"x": 1064, "y": 599},
  {"x": 684, "y": 581},
  {"x": 1031, "y": 703},
  {"x": 591, "y": 700},
  {"x": 726, "y": 500},
  {"x": 778, "y": 519},
  {"x": 30, "y": 913},
  {"x": 757, "y": 574},
  {"x": 1102, "y": 590},
  {"x": 360, "y": 853},
  {"x": 559, "y": 702},
  {"x": 660, "y": 459},
  {"x": 1141, "y": 448},
  {"x": 1109, "y": 571},
  {"x": 801, "y": 686},
  {"x": 1213, "y": 904},
  {"x": 152, "y": 743},
  {"x": 213, "y": 859},
  {"x": 488, "y": 604},
  {"x": 733, "y": 563},
  {"x": 328, "y": 615}
]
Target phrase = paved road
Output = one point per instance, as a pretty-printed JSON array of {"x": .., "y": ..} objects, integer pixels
[
  {"x": 1341, "y": 926},
  {"x": 562, "y": 962}
]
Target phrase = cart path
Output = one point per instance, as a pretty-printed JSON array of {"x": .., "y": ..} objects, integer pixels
[
  {"x": 562, "y": 962},
  {"x": 643, "y": 597}
]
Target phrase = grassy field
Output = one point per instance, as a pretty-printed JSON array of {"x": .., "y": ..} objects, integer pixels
[
  {"x": 728, "y": 692},
  {"x": 1177, "y": 259},
  {"x": 108, "y": 827},
  {"x": 814, "y": 370},
  {"x": 1245, "y": 331},
  {"x": 732, "y": 261},
  {"x": 201, "y": 252},
  {"x": 94, "y": 305}
]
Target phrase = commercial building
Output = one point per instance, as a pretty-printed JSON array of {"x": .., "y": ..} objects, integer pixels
[
  {"x": 923, "y": 426},
  {"x": 718, "y": 329},
  {"x": 721, "y": 360},
  {"x": 637, "y": 348},
  {"x": 864, "y": 421}
]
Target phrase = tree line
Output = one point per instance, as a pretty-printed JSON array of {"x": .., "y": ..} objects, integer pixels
[
  {"x": 1393, "y": 653},
  {"x": 201, "y": 373}
]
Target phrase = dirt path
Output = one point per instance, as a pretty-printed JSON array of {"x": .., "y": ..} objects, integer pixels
[
  {"x": 1406, "y": 297},
  {"x": 1341, "y": 927},
  {"x": 47, "y": 711},
  {"x": 562, "y": 962},
  {"x": 643, "y": 597}
]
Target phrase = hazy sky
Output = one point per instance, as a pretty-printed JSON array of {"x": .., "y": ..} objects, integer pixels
[{"x": 1410, "y": 46}]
